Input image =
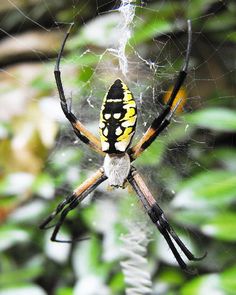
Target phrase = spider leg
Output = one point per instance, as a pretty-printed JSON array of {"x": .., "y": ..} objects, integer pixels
[
  {"x": 63, "y": 215},
  {"x": 83, "y": 134},
  {"x": 163, "y": 120},
  {"x": 78, "y": 195},
  {"x": 158, "y": 218},
  {"x": 59, "y": 208},
  {"x": 72, "y": 206}
]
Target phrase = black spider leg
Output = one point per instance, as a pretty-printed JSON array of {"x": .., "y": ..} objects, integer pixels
[
  {"x": 179, "y": 81},
  {"x": 57, "y": 73},
  {"x": 158, "y": 124},
  {"x": 72, "y": 205},
  {"x": 160, "y": 128},
  {"x": 59, "y": 208},
  {"x": 156, "y": 221},
  {"x": 63, "y": 215},
  {"x": 83, "y": 134},
  {"x": 158, "y": 218},
  {"x": 90, "y": 182}
]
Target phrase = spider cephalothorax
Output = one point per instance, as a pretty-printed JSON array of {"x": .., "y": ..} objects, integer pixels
[
  {"x": 117, "y": 126},
  {"x": 117, "y": 168}
]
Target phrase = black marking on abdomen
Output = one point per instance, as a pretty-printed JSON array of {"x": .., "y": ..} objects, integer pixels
[{"x": 112, "y": 124}]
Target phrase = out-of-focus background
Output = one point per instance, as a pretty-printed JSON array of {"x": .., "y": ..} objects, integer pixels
[{"x": 191, "y": 168}]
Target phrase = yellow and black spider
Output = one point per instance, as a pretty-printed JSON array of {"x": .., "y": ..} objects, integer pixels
[{"x": 117, "y": 126}]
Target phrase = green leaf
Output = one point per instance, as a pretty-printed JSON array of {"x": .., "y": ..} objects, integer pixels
[
  {"x": 152, "y": 155},
  {"x": 193, "y": 217},
  {"x": 223, "y": 284},
  {"x": 147, "y": 31},
  {"x": 228, "y": 280},
  {"x": 64, "y": 291},
  {"x": 217, "y": 119},
  {"x": 222, "y": 227},
  {"x": 42, "y": 84},
  {"x": 224, "y": 22},
  {"x": 16, "y": 183},
  {"x": 117, "y": 283},
  {"x": 100, "y": 31},
  {"x": 86, "y": 259},
  {"x": 85, "y": 74},
  {"x": 85, "y": 59},
  {"x": 211, "y": 188},
  {"x": 197, "y": 7},
  {"x": 25, "y": 289},
  {"x": 178, "y": 132},
  {"x": 5, "y": 130},
  {"x": 171, "y": 276},
  {"x": 232, "y": 37},
  {"x": 225, "y": 156},
  {"x": 207, "y": 284},
  {"x": 17, "y": 276},
  {"x": 10, "y": 235},
  {"x": 44, "y": 185}
]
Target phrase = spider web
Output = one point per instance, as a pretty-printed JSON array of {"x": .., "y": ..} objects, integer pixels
[
  {"x": 144, "y": 72},
  {"x": 148, "y": 71}
]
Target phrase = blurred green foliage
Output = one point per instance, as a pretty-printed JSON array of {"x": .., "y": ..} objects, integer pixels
[{"x": 190, "y": 168}]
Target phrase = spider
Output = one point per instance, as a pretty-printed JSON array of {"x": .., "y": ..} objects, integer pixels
[{"x": 116, "y": 128}]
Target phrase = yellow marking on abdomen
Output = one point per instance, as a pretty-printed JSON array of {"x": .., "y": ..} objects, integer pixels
[
  {"x": 125, "y": 134},
  {"x": 129, "y": 114}
]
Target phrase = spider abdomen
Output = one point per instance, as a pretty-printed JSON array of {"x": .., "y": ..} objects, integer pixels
[{"x": 117, "y": 119}]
